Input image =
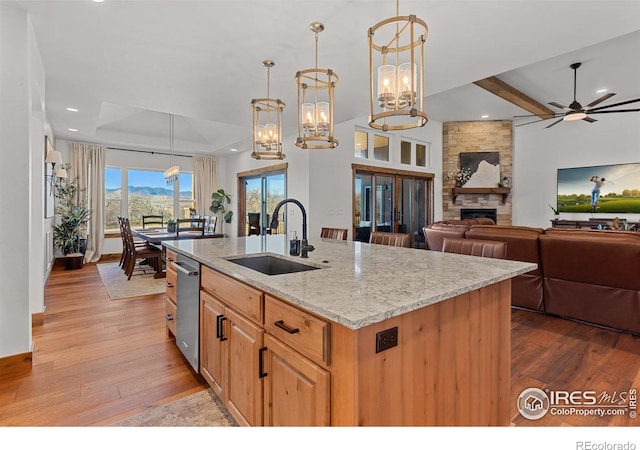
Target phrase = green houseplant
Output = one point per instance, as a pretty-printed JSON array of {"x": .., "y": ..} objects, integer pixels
[
  {"x": 220, "y": 197},
  {"x": 72, "y": 216},
  {"x": 171, "y": 226}
]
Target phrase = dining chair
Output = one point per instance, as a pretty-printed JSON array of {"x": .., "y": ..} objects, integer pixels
[
  {"x": 475, "y": 247},
  {"x": 152, "y": 219},
  {"x": 391, "y": 239},
  {"x": 254, "y": 223},
  {"x": 210, "y": 223},
  {"x": 136, "y": 242},
  {"x": 190, "y": 225},
  {"x": 151, "y": 254},
  {"x": 334, "y": 233}
]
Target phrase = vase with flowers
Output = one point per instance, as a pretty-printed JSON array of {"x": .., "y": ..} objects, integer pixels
[{"x": 459, "y": 176}]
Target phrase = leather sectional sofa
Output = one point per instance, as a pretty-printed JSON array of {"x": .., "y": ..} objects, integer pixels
[{"x": 586, "y": 275}]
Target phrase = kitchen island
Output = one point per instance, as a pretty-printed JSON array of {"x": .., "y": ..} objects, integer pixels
[{"x": 375, "y": 335}]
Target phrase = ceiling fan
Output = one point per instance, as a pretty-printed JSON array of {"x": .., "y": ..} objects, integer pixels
[{"x": 575, "y": 111}]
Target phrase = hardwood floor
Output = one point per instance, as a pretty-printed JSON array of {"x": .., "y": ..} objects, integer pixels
[{"x": 97, "y": 361}]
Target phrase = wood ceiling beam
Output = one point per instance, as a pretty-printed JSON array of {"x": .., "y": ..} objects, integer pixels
[{"x": 512, "y": 95}]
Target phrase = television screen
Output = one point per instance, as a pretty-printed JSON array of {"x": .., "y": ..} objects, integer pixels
[{"x": 601, "y": 189}]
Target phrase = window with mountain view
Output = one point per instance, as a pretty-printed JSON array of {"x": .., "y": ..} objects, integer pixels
[{"x": 147, "y": 192}]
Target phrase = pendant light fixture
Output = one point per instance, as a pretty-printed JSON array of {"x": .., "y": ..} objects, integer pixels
[
  {"x": 267, "y": 135},
  {"x": 315, "y": 103},
  {"x": 396, "y": 77},
  {"x": 171, "y": 174}
]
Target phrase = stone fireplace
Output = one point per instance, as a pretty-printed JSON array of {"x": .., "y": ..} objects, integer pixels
[{"x": 477, "y": 136}]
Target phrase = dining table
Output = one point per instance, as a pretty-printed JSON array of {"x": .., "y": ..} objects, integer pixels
[{"x": 155, "y": 236}]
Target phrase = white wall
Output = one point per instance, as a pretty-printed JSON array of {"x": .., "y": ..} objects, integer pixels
[
  {"x": 17, "y": 43},
  {"x": 539, "y": 152},
  {"x": 330, "y": 174},
  {"x": 321, "y": 178}
]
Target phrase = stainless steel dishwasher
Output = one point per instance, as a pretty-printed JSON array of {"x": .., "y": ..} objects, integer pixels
[{"x": 188, "y": 313}]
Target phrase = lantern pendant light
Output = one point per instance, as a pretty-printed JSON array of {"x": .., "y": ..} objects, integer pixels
[
  {"x": 397, "y": 82},
  {"x": 315, "y": 103},
  {"x": 267, "y": 123}
]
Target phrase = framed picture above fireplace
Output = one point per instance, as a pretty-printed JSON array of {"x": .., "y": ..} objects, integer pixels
[
  {"x": 618, "y": 186},
  {"x": 484, "y": 168}
]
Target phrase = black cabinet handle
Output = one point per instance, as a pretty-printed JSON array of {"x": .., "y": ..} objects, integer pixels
[
  {"x": 218, "y": 332},
  {"x": 261, "y": 372},
  {"x": 280, "y": 324},
  {"x": 169, "y": 285},
  {"x": 222, "y": 337},
  {"x": 168, "y": 317}
]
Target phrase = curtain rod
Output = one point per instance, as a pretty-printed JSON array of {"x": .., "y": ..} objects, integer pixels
[{"x": 153, "y": 152}]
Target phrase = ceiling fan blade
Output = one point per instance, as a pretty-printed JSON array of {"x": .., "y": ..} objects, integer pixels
[
  {"x": 534, "y": 121},
  {"x": 615, "y": 104},
  {"x": 537, "y": 115},
  {"x": 614, "y": 111},
  {"x": 589, "y": 119},
  {"x": 556, "y": 122},
  {"x": 600, "y": 100},
  {"x": 558, "y": 105}
]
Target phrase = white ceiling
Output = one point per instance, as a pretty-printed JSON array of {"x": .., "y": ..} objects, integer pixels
[{"x": 126, "y": 65}]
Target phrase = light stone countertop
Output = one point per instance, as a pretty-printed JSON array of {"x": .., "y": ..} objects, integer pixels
[{"x": 359, "y": 283}]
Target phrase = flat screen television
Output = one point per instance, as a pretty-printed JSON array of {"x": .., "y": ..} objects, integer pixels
[{"x": 618, "y": 185}]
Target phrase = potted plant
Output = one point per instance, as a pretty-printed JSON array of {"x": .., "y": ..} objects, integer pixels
[
  {"x": 72, "y": 216},
  {"x": 171, "y": 226},
  {"x": 217, "y": 205}
]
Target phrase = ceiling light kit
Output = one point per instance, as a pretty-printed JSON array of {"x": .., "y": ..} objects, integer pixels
[
  {"x": 575, "y": 111},
  {"x": 315, "y": 103},
  {"x": 397, "y": 83},
  {"x": 267, "y": 134},
  {"x": 172, "y": 173}
]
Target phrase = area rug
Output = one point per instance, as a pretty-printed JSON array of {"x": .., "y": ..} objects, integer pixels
[
  {"x": 202, "y": 409},
  {"x": 141, "y": 282}
]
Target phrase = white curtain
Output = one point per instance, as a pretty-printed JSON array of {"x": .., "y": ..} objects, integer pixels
[
  {"x": 88, "y": 164},
  {"x": 205, "y": 183}
]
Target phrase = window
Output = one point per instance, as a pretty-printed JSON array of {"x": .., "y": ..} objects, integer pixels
[
  {"x": 146, "y": 192},
  {"x": 112, "y": 199},
  {"x": 186, "y": 201},
  {"x": 405, "y": 152},
  {"x": 380, "y": 148},
  {"x": 401, "y": 202},
  {"x": 259, "y": 191},
  {"x": 362, "y": 144}
]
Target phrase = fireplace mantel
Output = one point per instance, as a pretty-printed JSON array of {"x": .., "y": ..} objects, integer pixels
[{"x": 504, "y": 191}]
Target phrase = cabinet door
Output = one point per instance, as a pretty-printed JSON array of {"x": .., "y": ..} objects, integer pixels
[
  {"x": 296, "y": 391},
  {"x": 243, "y": 385},
  {"x": 211, "y": 343}
]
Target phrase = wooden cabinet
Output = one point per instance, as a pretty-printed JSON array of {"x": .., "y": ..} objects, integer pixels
[
  {"x": 296, "y": 391},
  {"x": 243, "y": 383},
  {"x": 171, "y": 282},
  {"x": 211, "y": 344},
  {"x": 282, "y": 381},
  {"x": 231, "y": 337}
]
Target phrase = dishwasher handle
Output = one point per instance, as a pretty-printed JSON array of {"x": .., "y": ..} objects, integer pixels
[{"x": 185, "y": 268}]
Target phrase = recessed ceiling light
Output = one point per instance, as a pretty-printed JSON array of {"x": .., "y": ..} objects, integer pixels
[
  {"x": 72, "y": 129},
  {"x": 601, "y": 91},
  {"x": 98, "y": 1},
  {"x": 233, "y": 149},
  {"x": 485, "y": 116},
  {"x": 72, "y": 109}
]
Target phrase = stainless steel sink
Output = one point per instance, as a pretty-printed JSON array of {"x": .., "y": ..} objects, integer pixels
[{"x": 271, "y": 265}]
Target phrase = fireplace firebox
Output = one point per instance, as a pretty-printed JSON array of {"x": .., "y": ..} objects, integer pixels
[{"x": 477, "y": 213}]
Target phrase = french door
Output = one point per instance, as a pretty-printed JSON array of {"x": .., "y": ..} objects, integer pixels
[
  {"x": 258, "y": 194},
  {"x": 391, "y": 200}
]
